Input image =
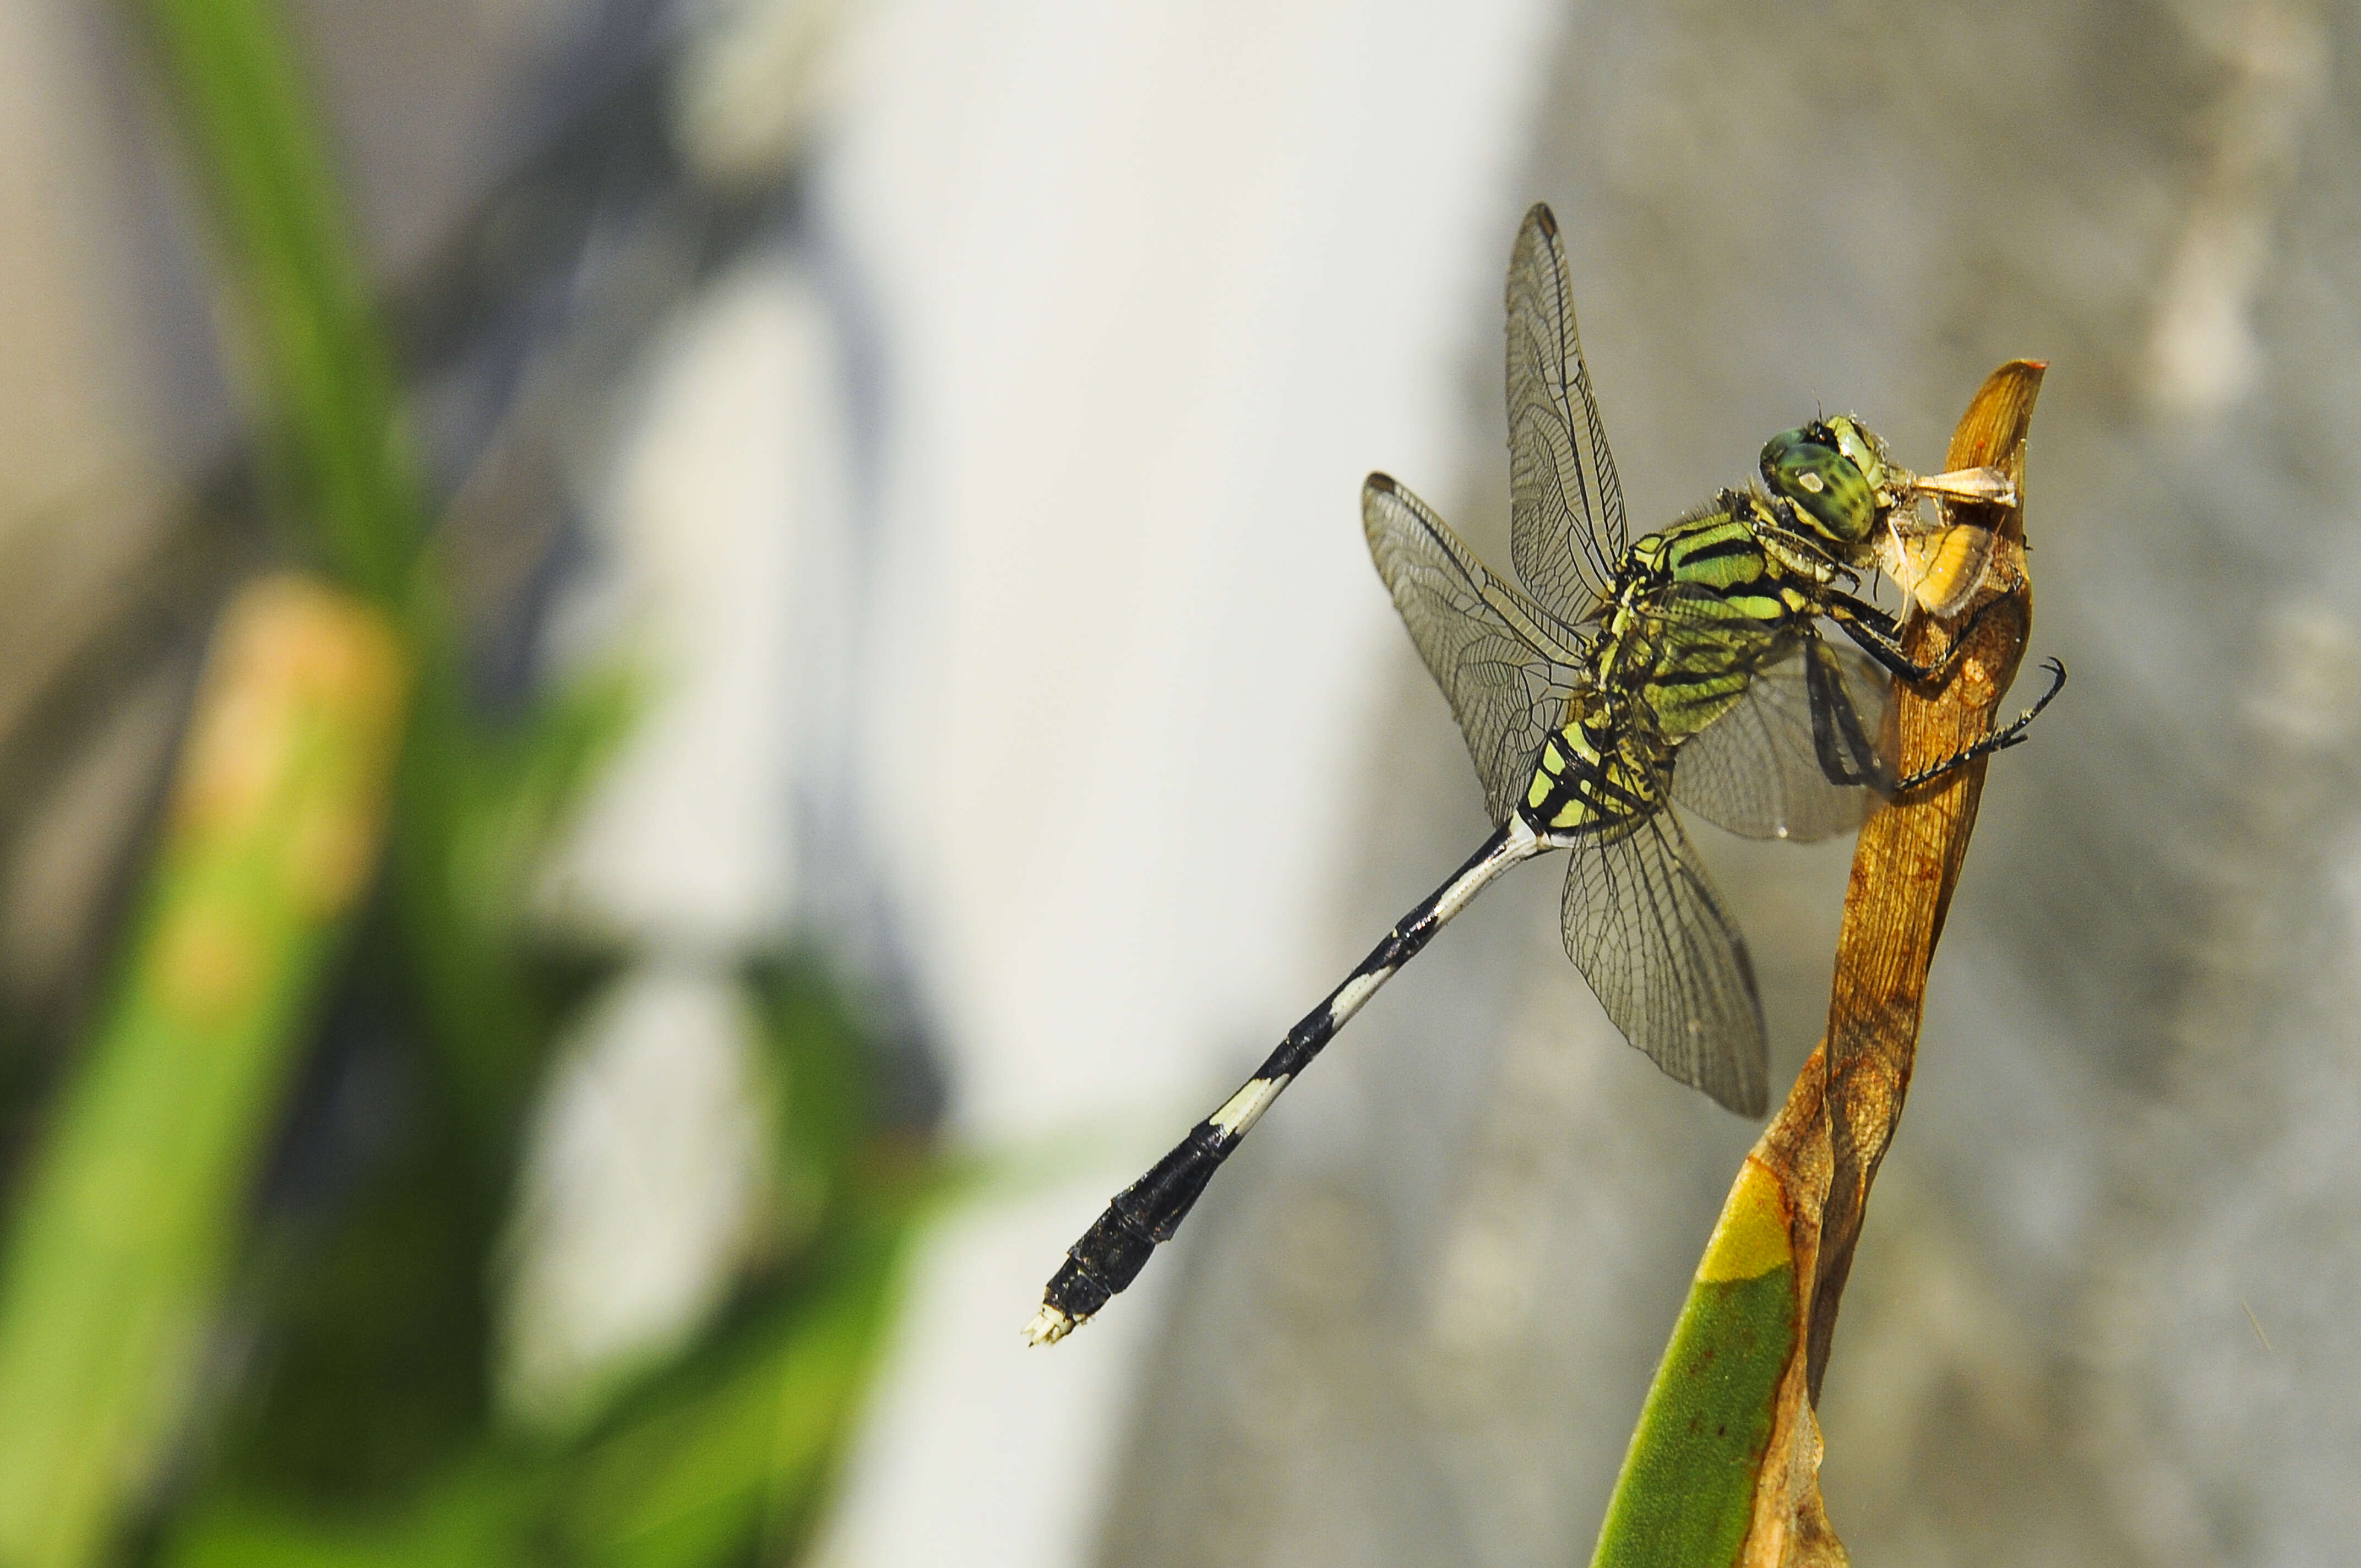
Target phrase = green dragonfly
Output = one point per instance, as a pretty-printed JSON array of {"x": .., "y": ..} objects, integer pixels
[{"x": 1689, "y": 666}]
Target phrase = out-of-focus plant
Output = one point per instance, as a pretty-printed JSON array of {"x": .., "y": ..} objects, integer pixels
[
  {"x": 724, "y": 1452},
  {"x": 306, "y": 1380},
  {"x": 131, "y": 1212}
]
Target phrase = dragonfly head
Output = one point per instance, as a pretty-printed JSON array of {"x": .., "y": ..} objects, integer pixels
[{"x": 1835, "y": 473}]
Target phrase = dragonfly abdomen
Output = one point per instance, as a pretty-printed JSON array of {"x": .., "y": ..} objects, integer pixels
[{"x": 1595, "y": 776}]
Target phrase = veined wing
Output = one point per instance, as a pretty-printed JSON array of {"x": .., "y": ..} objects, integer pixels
[
  {"x": 1566, "y": 527},
  {"x": 1801, "y": 755},
  {"x": 1507, "y": 665},
  {"x": 1643, "y": 924}
]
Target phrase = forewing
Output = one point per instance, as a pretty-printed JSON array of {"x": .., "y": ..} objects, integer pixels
[
  {"x": 1764, "y": 768},
  {"x": 1643, "y": 924},
  {"x": 1566, "y": 527},
  {"x": 1507, "y": 667}
]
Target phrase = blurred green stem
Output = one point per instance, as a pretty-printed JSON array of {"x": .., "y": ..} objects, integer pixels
[
  {"x": 131, "y": 1215},
  {"x": 314, "y": 351},
  {"x": 129, "y": 1220},
  {"x": 319, "y": 367},
  {"x": 135, "y": 1211}
]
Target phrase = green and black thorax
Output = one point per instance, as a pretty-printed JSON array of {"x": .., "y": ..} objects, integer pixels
[{"x": 1696, "y": 611}]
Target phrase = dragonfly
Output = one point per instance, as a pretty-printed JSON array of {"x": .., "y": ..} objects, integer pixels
[{"x": 1692, "y": 666}]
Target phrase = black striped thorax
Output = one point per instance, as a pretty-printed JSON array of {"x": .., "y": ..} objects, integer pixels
[
  {"x": 1721, "y": 571},
  {"x": 1694, "y": 613}
]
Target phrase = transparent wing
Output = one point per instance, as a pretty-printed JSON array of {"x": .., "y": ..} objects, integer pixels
[
  {"x": 1505, "y": 665},
  {"x": 1801, "y": 755},
  {"x": 1643, "y": 924},
  {"x": 1566, "y": 527}
]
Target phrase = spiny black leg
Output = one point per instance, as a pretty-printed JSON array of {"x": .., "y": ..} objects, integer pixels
[
  {"x": 1998, "y": 741},
  {"x": 1839, "y": 740},
  {"x": 1879, "y": 636},
  {"x": 1878, "y": 633}
]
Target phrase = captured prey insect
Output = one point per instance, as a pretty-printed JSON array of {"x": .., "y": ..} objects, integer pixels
[{"x": 1689, "y": 665}]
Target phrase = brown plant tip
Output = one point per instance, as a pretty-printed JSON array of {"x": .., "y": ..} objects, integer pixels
[
  {"x": 1908, "y": 862},
  {"x": 1824, "y": 1146}
]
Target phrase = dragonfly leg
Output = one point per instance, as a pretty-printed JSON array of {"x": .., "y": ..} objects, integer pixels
[
  {"x": 1880, "y": 635},
  {"x": 1111, "y": 1253},
  {"x": 2000, "y": 740},
  {"x": 1841, "y": 741}
]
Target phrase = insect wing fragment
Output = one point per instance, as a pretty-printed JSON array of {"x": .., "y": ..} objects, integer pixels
[
  {"x": 1940, "y": 567},
  {"x": 1566, "y": 532},
  {"x": 1507, "y": 667},
  {"x": 1643, "y": 924},
  {"x": 1798, "y": 755}
]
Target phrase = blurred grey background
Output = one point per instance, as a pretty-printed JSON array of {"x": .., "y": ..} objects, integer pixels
[{"x": 969, "y": 408}]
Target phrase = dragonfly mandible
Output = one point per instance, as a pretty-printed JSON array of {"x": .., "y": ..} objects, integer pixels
[{"x": 1689, "y": 666}]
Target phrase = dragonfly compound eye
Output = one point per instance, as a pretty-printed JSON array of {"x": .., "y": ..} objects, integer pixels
[{"x": 1836, "y": 498}]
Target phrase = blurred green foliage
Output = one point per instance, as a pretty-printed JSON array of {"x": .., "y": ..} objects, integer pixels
[
  {"x": 322, "y": 1391},
  {"x": 719, "y": 1454},
  {"x": 123, "y": 1228}
]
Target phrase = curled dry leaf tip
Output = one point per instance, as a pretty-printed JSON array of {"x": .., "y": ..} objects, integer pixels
[{"x": 1724, "y": 1465}]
